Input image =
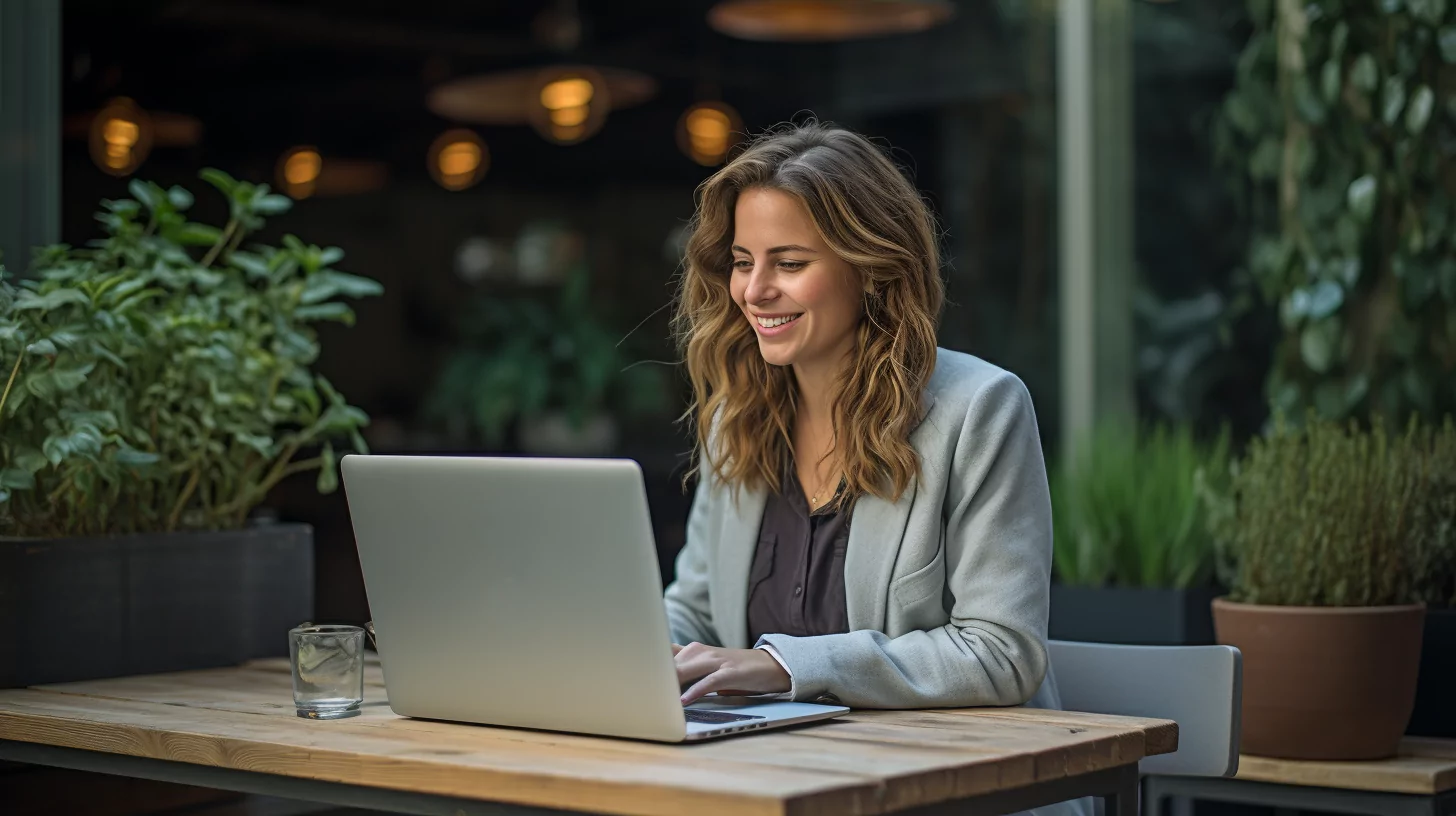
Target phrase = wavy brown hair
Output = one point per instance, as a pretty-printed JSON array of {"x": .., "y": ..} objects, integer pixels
[{"x": 867, "y": 212}]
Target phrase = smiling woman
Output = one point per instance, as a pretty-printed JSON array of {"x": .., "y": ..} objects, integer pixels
[
  {"x": 872, "y": 524},
  {"x": 776, "y": 284},
  {"x": 810, "y": 223}
]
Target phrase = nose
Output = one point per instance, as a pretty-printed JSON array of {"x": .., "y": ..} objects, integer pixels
[{"x": 761, "y": 286}]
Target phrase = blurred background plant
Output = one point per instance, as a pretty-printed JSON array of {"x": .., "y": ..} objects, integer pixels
[
  {"x": 1127, "y": 510},
  {"x": 522, "y": 357},
  {"x": 1331, "y": 514},
  {"x": 150, "y": 390},
  {"x": 1337, "y": 137},
  {"x": 1182, "y": 351}
]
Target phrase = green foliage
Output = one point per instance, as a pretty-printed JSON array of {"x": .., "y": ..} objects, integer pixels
[
  {"x": 1182, "y": 352},
  {"x": 519, "y": 356},
  {"x": 1128, "y": 512},
  {"x": 1332, "y": 515},
  {"x": 1338, "y": 135},
  {"x": 148, "y": 389}
]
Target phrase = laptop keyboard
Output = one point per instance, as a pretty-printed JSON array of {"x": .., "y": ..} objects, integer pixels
[{"x": 698, "y": 715}]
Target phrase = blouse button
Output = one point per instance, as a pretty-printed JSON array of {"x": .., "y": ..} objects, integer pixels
[{"x": 798, "y": 590}]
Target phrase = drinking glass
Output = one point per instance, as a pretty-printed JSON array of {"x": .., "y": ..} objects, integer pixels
[{"x": 328, "y": 670}]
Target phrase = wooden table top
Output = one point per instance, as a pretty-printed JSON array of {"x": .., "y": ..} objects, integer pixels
[
  {"x": 1425, "y": 766},
  {"x": 867, "y": 762}
]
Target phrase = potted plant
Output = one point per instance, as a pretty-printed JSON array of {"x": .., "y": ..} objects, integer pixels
[
  {"x": 1336, "y": 138},
  {"x": 553, "y": 371},
  {"x": 156, "y": 385},
  {"x": 1132, "y": 556},
  {"x": 1330, "y": 527}
]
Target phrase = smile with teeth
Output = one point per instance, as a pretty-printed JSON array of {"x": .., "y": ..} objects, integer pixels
[{"x": 771, "y": 322}]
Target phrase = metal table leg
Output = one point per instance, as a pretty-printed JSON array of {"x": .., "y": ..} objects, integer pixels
[{"x": 1123, "y": 801}]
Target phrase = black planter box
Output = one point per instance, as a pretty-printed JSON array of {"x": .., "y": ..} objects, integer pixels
[
  {"x": 1147, "y": 617},
  {"x": 88, "y": 608},
  {"x": 1435, "y": 711}
]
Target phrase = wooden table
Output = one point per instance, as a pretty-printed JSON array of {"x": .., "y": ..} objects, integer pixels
[
  {"x": 1421, "y": 781},
  {"x": 235, "y": 729}
]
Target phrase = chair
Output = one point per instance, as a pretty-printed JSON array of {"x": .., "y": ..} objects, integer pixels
[{"x": 1199, "y": 687}]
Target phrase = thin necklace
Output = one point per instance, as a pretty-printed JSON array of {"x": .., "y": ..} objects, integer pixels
[{"x": 814, "y": 499}]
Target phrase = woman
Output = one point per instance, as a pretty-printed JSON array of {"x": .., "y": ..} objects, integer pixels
[{"x": 872, "y": 525}]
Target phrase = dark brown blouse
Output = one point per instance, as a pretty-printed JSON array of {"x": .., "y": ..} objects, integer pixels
[{"x": 796, "y": 583}]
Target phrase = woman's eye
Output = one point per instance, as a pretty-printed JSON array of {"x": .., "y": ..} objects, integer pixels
[
  {"x": 741, "y": 264},
  {"x": 792, "y": 265}
]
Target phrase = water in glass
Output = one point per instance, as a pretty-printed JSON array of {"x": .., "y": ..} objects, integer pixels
[{"x": 328, "y": 670}]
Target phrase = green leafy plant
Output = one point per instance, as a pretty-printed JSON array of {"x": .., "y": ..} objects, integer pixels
[
  {"x": 159, "y": 378},
  {"x": 1338, "y": 135},
  {"x": 1127, "y": 509},
  {"x": 1334, "y": 515},
  {"x": 523, "y": 356}
]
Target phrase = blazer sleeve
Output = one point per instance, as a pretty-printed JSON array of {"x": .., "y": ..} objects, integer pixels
[
  {"x": 689, "y": 610},
  {"x": 998, "y": 551}
]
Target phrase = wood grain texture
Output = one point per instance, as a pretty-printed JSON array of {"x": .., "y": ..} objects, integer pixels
[
  {"x": 868, "y": 762},
  {"x": 1424, "y": 766}
]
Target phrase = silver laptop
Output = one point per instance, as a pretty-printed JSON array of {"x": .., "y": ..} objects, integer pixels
[{"x": 526, "y": 593}]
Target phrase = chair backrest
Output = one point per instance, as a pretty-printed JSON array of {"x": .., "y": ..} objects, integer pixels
[{"x": 1199, "y": 687}]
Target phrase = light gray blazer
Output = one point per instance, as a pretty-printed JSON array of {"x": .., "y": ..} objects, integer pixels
[{"x": 947, "y": 588}]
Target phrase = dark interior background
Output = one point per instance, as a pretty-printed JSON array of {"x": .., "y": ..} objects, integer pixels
[{"x": 968, "y": 107}]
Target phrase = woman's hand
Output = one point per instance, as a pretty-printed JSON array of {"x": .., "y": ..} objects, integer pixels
[{"x": 727, "y": 671}]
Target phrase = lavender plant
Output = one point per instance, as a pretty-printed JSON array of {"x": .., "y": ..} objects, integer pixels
[{"x": 1333, "y": 514}]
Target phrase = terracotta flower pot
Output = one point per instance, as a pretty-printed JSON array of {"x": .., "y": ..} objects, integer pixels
[{"x": 1329, "y": 683}]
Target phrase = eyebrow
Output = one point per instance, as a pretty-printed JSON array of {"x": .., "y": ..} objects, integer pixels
[{"x": 778, "y": 250}]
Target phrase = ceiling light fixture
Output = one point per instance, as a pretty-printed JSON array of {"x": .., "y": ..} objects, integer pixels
[
  {"x": 298, "y": 171},
  {"x": 707, "y": 131},
  {"x": 826, "y": 20},
  {"x": 122, "y": 134},
  {"x": 547, "y": 99},
  {"x": 458, "y": 159},
  {"x": 571, "y": 104},
  {"x": 120, "y": 137},
  {"x": 302, "y": 172}
]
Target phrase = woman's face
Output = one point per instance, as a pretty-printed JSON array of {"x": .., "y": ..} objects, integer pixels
[{"x": 802, "y": 300}]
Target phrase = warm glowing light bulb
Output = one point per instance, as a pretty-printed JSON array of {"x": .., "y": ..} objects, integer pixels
[
  {"x": 302, "y": 166},
  {"x": 569, "y": 104},
  {"x": 458, "y": 159},
  {"x": 706, "y": 132},
  {"x": 709, "y": 123},
  {"x": 299, "y": 170},
  {"x": 120, "y": 133},
  {"x": 569, "y": 117},
  {"x": 572, "y": 92},
  {"x": 121, "y": 136}
]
